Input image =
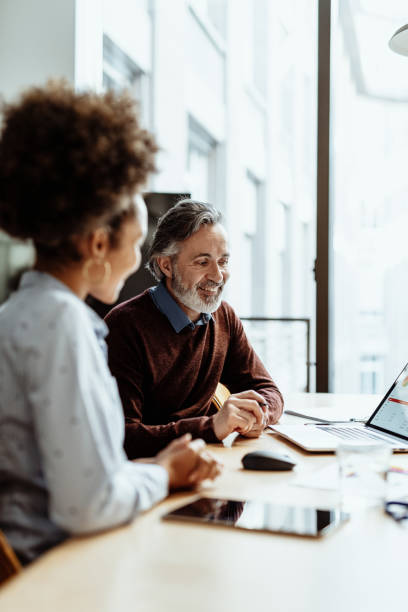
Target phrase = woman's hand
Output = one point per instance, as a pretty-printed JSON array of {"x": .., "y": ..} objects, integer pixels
[{"x": 188, "y": 462}]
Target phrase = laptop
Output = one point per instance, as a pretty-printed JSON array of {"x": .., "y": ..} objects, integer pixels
[{"x": 388, "y": 423}]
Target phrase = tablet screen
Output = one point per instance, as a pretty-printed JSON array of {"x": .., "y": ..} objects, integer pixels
[{"x": 260, "y": 516}]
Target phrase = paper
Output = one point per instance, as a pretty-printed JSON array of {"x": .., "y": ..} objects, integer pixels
[
  {"x": 328, "y": 478},
  {"x": 323, "y": 478}
]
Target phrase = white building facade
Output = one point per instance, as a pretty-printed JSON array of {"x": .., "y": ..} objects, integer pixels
[{"x": 229, "y": 89}]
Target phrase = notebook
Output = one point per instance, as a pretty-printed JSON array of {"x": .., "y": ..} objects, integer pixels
[{"x": 388, "y": 423}]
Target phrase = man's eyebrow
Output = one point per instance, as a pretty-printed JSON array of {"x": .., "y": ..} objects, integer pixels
[
  {"x": 202, "y": 255},
  {"x": 209, "y": 255}
]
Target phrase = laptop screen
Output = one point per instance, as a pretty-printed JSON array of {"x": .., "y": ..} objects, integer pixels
[{"x": 391, "y": 416}]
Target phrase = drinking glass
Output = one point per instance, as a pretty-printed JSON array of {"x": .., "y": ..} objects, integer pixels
[{"x": 363, "y": 472}]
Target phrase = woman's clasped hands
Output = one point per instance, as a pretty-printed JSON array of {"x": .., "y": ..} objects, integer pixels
[{"x": 188, "y": 462}]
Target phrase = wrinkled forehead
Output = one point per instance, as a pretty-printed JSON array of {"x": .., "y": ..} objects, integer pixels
[{"x": 209, "y": 240}]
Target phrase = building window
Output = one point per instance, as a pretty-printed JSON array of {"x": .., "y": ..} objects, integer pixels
[
  {"x": 370, "y": 374},
  {"x": 215, "y": 11},
  {"x": 368, "y": 187},
  {"x": 251, "y": 250},
  {"x": 121, "y": 72},
  {"x": 201, "y": 163},
  {"x": 283, "y": 247},
  {"x": 256, "y": 48},
  {"x": 307, "y": 270}
]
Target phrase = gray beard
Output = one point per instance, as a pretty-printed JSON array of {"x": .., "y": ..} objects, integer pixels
[{"x": 190, "y": 297}]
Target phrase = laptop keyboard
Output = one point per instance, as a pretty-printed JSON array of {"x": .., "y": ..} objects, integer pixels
[{"x": 346, "y": 433}]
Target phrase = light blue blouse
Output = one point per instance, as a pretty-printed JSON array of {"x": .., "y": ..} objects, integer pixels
[{"x": 62, "y": 466}]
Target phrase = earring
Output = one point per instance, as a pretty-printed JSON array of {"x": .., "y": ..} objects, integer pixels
[{"x": 100, "y": 279}]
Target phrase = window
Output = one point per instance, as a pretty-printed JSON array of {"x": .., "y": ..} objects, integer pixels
[
  {"x": 283, "y": 243},
  {"x": 213, "y": 10},
  {"x": 256, "y": 50},
  {"x": 121, "y": 72},
  {"x": 371, "y": 379},
  {"x": 291, "y": 192},
  {"x": 201, "y": 163},
  {"x": 369, "y": 187},
  {"x": 251, "y": 265}
]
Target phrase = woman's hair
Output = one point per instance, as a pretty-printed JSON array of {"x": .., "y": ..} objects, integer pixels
[
  {"x": 70, "y": 161},
  {"x": 176, "y": 225}
]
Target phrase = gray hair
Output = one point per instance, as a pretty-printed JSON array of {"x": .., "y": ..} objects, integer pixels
[{"x": 176, "y": 225}]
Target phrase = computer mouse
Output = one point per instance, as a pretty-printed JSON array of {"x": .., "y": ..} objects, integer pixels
[{"x": 267, "y": 460}]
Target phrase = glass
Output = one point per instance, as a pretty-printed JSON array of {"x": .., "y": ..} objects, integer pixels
[
  {"x": 369, "y": 187},
  {"x": 363, "y": 474}
]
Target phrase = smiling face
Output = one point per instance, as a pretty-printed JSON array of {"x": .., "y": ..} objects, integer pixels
[{"x": 197, "y": 274}]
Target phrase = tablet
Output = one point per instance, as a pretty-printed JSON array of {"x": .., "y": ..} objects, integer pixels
[{"x": 260, "y": 516}]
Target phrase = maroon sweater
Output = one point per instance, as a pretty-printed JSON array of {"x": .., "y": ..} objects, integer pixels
[{"x": 166, "y": 380}]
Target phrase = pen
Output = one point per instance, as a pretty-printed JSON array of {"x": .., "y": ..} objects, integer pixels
[
  {"x": 321, "y": 421},
  {"x": 335, "y": 422},
  {"x": 306, "y": 416}
]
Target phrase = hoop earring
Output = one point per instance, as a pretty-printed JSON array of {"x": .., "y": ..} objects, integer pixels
[{"x": 107, "y": 270}]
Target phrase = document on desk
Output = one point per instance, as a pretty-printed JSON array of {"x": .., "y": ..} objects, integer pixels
[
  {"x": 327, "y": 478},
  {"x": 324, "y": 478}
]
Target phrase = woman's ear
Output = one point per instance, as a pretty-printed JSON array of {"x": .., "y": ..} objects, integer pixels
[
  {"x": 165, "y": 265},
  {"x": 98, "y": 243}
]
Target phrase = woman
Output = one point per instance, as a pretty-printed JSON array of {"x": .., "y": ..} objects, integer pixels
[{"x": 71, "y": 168}]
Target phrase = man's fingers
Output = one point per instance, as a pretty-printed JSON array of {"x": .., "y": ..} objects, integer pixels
[
  {"x": 250, "y": 394},
  {"x": 240, "y": 414},
  {"x": 244, "y": 422},
  {"x": 251, "y": 406},
  {"x": 255, "y": 432}
]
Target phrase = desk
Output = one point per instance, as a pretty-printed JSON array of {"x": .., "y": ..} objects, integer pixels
[{"x": 157, "y": 566}]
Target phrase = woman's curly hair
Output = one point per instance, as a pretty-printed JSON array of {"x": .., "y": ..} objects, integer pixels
[{"x": 67, "y": 160}]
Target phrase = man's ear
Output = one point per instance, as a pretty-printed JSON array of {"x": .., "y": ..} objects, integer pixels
[
  {"x": 98, "y": 243},
  {"x": 165, "y": 265}
]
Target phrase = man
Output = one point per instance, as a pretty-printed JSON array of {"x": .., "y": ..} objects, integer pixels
[{"x": 171, "y": 345}]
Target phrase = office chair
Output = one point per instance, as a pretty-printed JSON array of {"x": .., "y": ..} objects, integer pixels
[
  {"x": 220, "y": 396},
  {"x": 9, "y": 564}
]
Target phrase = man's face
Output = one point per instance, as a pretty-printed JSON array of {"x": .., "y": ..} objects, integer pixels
[{"x": 200, "y": 271}]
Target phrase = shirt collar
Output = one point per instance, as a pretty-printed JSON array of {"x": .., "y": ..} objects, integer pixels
[
  {"x": 169, "y": 307},
  {"x": 42, "y": 280}
]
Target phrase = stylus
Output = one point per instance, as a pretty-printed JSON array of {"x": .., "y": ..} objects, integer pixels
[
  {"x": 336, "y": 422},
  {"x": 306, "y": 416},
  {"x": 322, "y": 421}
]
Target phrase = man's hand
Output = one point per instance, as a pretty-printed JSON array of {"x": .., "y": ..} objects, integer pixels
[
  {"x": 243, "y": 412},
  {"x": 188, "y": 462},
  {"x": 255, "y": 432}
]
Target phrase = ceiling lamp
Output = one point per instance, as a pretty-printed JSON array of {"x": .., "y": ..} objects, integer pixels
[{"x": 399, "y": 41}]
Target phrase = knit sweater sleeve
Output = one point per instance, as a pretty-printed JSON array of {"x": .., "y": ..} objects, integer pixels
[
  {"x": 128, "y": 364},
  {"x": 243, "y": 369}
]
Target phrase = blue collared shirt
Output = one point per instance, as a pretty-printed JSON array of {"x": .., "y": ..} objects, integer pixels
[{"x": 169, "y": 307}]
